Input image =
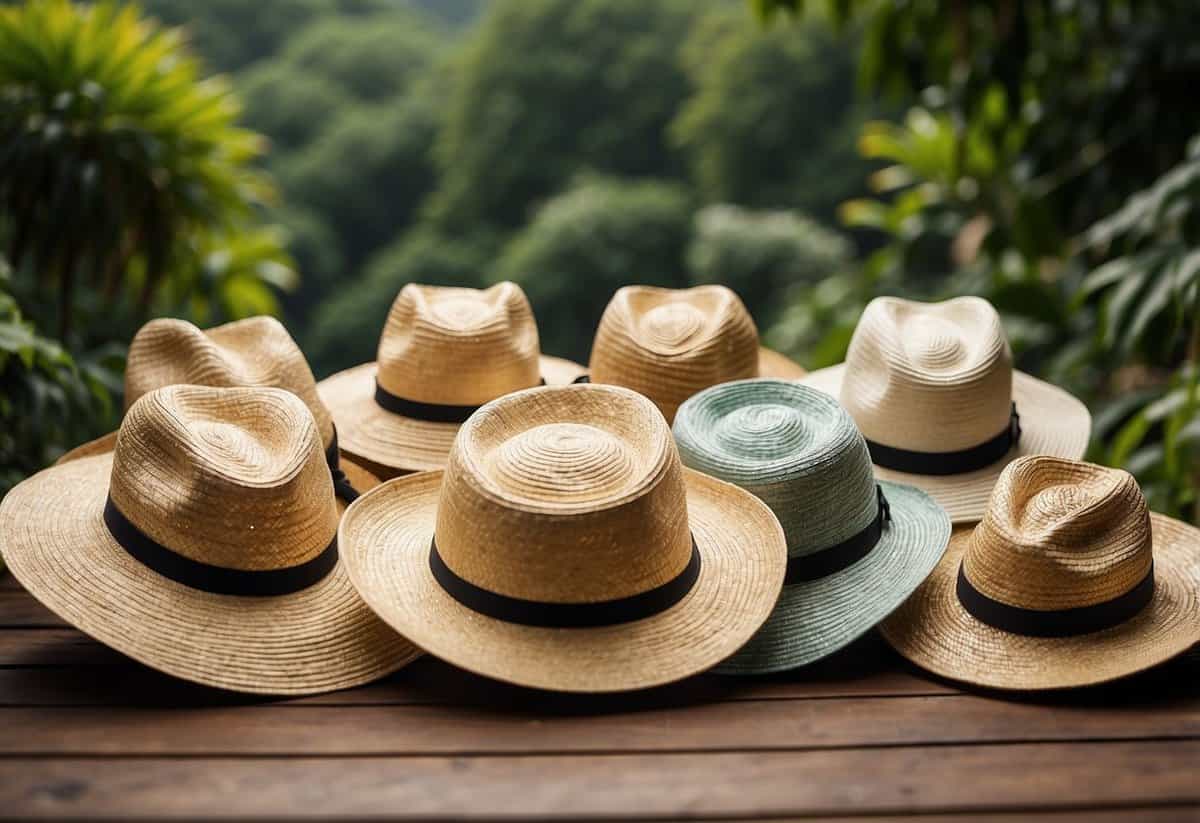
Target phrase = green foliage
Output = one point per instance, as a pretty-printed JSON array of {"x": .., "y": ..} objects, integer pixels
[
  {"x": 291, "y": 112},
  {"x": 586, "y": 243}
]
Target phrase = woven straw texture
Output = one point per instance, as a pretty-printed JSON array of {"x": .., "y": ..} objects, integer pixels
[
  {"x": 568, "y": 495},
  {"x": 451, "y": 346},
  {"x": 1057, "y": 534},
  {"x": 798, "y": 451},
  {"x": 938, "y": 377},
  {"x": 669, "y": 344},
  {"x": 229, "y": 477}
]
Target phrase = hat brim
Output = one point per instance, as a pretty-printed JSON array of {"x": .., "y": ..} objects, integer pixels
[
  {"x": 816, "y": 618},
  {"x": 394, "y": 441},
  {"x": 934, "y": 631},
  {"x": 742, "y": 548},
  {"x": 319, "y": 639},
  {"x": 773, "y": 364},
  {"x": 360, "y": 477},
  {"x": 1053, "y": 423}
]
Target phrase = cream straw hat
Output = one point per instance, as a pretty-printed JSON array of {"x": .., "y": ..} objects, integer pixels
[
  {"x": 932, "y": 388},
  {"x": 856, "y": 549},
  {"x": 255, "y": 352},
  {"x": 669, "y": 344},
  {"x": 443, "y": 353},
  {"x": 1068, "y": 581},
  {"x": 573, "y": 551},
  {"x": 204, "y": 545}
]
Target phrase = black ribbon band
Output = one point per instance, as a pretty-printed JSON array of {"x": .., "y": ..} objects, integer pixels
[
  {"x": 583, "y": 378},
  {"x": 215, "y": 579},
  {"x": 431, "y": 412},
  {"x": 1058, "y": 622},
  {"x": 847, "y": 553},
  {"x": 943, "y": 463},
  {"x": 565, "y": 615},
  {"x": 342, "y": 488}
]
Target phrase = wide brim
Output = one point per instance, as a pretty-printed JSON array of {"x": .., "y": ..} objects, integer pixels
[
  {"x": 743, "y": 556},
  {"x": 773, "y": 364},
  {"x": 362, "y": 479},
  {"x": 319, "y": 639},
  {"x": 934, "y": 631},
  {"x": 816, "y": 618},
  {"x": 1053, "y": 423},
  {"x": 393, "y": 441}
]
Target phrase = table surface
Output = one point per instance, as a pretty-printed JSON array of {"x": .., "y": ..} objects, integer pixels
[{"x": 86, "y": 732}]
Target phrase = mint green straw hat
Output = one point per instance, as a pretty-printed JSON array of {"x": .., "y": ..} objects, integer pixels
[{"x": 856, "y": 548}]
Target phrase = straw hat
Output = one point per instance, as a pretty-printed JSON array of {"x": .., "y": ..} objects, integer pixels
[
  {"x": 573, "y": 551},
  {"x": 1068, "y": 581},
  {"x": 443, "y": 353},
  {"x": 669, "y": 344},
  {"x": 255, "y": 352},
  {"x": 932, "y": 388},
  {"x": 856, "y": 549},
  {"x": 204, "y": 545}
]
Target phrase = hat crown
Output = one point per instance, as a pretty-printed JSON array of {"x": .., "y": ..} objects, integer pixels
[
  {"x": 931, "y": 377},
  {"x": 254, "y": 352},
  {"x": 232, "y": 477},
  {"x": 458, "y": 346},
  {"x": 793, "y": 447},
  {"x": 670, "y": 343},
  {"x": 1060, "y": 534},
  {"x": 570, "y": 494}
]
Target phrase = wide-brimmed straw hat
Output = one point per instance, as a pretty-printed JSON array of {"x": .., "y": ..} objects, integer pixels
[
  {"x": 443, "y": 353},
  {"x": 1067, "y": 581},
  {"x": 204, "y": 545},
  {"x": 932, "y": 388},
  {"x": 669, "y": 344},
  {"x": 565, "y": 547},
  {"x": 255, "y": 352},
  {"x": 856, "y": 548}
]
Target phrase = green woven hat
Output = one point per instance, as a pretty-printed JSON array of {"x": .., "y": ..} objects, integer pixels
[{"x": 856, "y": 548}]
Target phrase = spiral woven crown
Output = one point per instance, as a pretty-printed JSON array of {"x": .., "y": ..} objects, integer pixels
[
  {"x": 570, "y": 494},
  {"x": 229, "y": 477},
  {"x": 930, "y": 377},
  {"x": 669, "y": 344},
  {"x": 1060, "y": 534},
  {"x": 793, "y": 447},
  {"x": 458, "y": 346},
  {"x": 255, "y": 352}
]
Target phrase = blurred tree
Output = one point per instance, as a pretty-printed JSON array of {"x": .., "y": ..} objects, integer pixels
[
  {"x": 551, "y": 87},
  {"x": 587, "y": 242},
  {"x": 291, "y": 112}
]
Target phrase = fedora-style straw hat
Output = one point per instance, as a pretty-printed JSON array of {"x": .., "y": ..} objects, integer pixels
[
  {"x": 204, "y": 545},
  {"x": 565, "y": 547},
  {"x": 669, "y": 344},
  {"x": 443, "y": 353},
  {"x": 932, "y": 388},
  {"x": 255, "y": 352},
  {"x": 1067, "y": 581},
  {"x": 856, "y": 548}
]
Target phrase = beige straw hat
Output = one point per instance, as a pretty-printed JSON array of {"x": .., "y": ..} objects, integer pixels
[
  {"x": 255, "y": 352},
  {"x": 1068, "y": 581},
  {"x": 443, "y": 353},
  {"x": 932, "y": 388},
  {"x": 204, "y": 545},
  {"x": 669, "y": 344},
  {"x": 573, "y": 551}
]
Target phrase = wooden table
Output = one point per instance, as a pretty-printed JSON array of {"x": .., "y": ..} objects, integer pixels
[{"x": 85, "y": 732}]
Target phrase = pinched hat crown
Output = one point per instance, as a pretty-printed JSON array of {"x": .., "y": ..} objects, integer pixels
[
  {"x": 457, "y": 346},
  {"x": 1060, "y": 534},
  {"x": 669, "y": 344},
  {"x": 929, "y": 377},
  {"x": 232, "y": 478},
  {"x": 565, "y": 495},
  {"x": 255, "y": 352}
]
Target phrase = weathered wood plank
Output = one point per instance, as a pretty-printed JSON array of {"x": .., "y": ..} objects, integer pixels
[
  {"x": 760, "y": 784},
  {"x": 18, "y": 609}
]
